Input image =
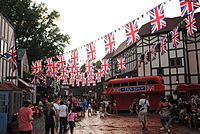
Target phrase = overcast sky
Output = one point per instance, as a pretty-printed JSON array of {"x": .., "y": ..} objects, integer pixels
[{"x": 87, "y": 20}]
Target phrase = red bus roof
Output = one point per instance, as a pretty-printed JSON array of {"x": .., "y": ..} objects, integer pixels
[{"x": 156, "y": 78}]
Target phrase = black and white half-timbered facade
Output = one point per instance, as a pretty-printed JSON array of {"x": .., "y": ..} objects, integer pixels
[
  {"x": 7, "y": 42},
  {"x": 175, "y": 64}
]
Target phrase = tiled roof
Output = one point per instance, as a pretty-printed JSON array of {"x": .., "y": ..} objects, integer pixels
[{"x": 8, "y": 86}]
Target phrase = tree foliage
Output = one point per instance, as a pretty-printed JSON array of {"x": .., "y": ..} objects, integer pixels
[{"x": 35, "y": 28}]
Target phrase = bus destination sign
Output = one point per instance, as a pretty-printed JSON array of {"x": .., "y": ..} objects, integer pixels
[{"x": 132, "y": 89}]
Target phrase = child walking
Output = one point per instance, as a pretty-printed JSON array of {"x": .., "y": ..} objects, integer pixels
[{"x": 71, "y": 118}]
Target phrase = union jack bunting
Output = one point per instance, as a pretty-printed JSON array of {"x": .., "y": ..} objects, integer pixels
[
  {"x": 146, "y": 57},
  {"x": 187, "y": 7},
  {"x": 74, "y": 58},
  {"x": 157, "y": 18},
  {"x": 42, "y": 77},
  {"x": 77, "y": 82},
  {"x": 139, "y": 61},
  {"x": 121, "y": 63},
  {"x": 77, "y": 71},
  {"x": 175, "y": 37},
  {"x": 64, "y": 72},
  {"x": 190, "y": 24},
  {"x": 109, "y": 41},
  {"x": 65, "y": 81},
  {"x": 71, "y": 68},
  {"x": 100, "y": 72},
  {"x": 163, "y": 46},
  {"x": 98, "y": 77},
  {"x": 82, "y": 76},
  {"x": 49, "y": 66},
  {"x": 83, "y": 82},
  {"x": 91, "y": 51},
  {"x": 54, "y": 70},
  {"x": 89, "y": 67},
  {"x": 153, "y": 53},
  {"x": 61, "y": 61},
  {"x": 36, "y": 66},
  {"x": 132, "y": 32},
  {"x": 105, "y": 66}
]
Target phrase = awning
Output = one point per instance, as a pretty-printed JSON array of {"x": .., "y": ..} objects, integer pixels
[
  {"x": 187, "y": 87},
  {"x": 182, "y": 87},
  {"x": 8, "y": 86},
  {"x": 24, "y": 84}
]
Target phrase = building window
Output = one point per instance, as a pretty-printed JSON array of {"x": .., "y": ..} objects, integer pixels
[
  {"x": 169, "y": 38},
  {"x": 175, "y": 62},
  {"x": 160, "y": 71},
  {"x": 158, "y": 47}
]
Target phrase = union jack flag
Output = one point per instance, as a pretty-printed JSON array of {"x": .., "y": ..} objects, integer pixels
[
  {"x": 100, "y": 72},
  {"x": 146, "y": 57},
  {"x": 83, "y": 82},
  {"x": 64, "y": 72},
  {"x": 163, "y": 46},
  {"x": 77, "y": 82},
  {"x": 190, "y": 24},
  {"x": 91, "y": 51},
  {"x": 153, "y": 53},
  {"x": 36, "y": 66},
  {"x": 109, "y": 41},
  {"x": 175, "y": 37},
  {"x": 61, "y": 61},
  {"x": 54, "y": 70},
  {"x": 121, "y": 63},
  {"x": 105, "y": 66},
  {"x": 132, "y": 32},
  {"x": 187, "y": 7},
  {"x": 49, "y": 66},
  {"x": 157, "y": 18},
  {"x": 74, "y": 58},
  {"x": 11, "y": 57},
  {"x": 82, "y": 76},
  {"x": 98, "y": 77},
  {"x": 89, "y": 66},
  {"x": 77, "y": 71}
]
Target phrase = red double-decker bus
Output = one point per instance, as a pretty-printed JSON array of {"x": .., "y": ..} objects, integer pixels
[{"x": 126, "y": 89}]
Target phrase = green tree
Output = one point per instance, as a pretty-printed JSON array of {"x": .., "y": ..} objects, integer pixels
[{"x": 35, "y": 28}]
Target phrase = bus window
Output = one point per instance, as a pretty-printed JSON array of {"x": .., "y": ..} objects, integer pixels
[
  {"x": 116, "y": 85},
  {"x": 152, "y": 82},
  {"x": 109, "y": 85},
  {"x": 141, "y": 82},
  {"x": 124, "y": 84},
  {"x": 132, "y": 83}
]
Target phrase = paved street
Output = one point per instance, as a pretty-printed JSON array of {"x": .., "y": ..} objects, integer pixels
[{"x": 116, "y": 125}]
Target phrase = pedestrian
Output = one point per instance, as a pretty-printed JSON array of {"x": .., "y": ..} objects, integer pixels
[
  {"x": 40, "y": 107},
  {"x": 142, "y": 111},
  {"x": 115, "y": 107},
  {"x": 133, "y": 107},
  {"x": 89, "y": 110},
  {"x": 57, "y": 112},
  {"x": 164, "y": 108},
  {"x": 50, "y": 119},
  {"x": 71, "y": 119},
  {"x": 63, "y": 116},
  {"x": 25, "y": 118}
]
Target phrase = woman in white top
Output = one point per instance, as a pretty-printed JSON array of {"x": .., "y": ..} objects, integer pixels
[{"x": 63, "y": 116}]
